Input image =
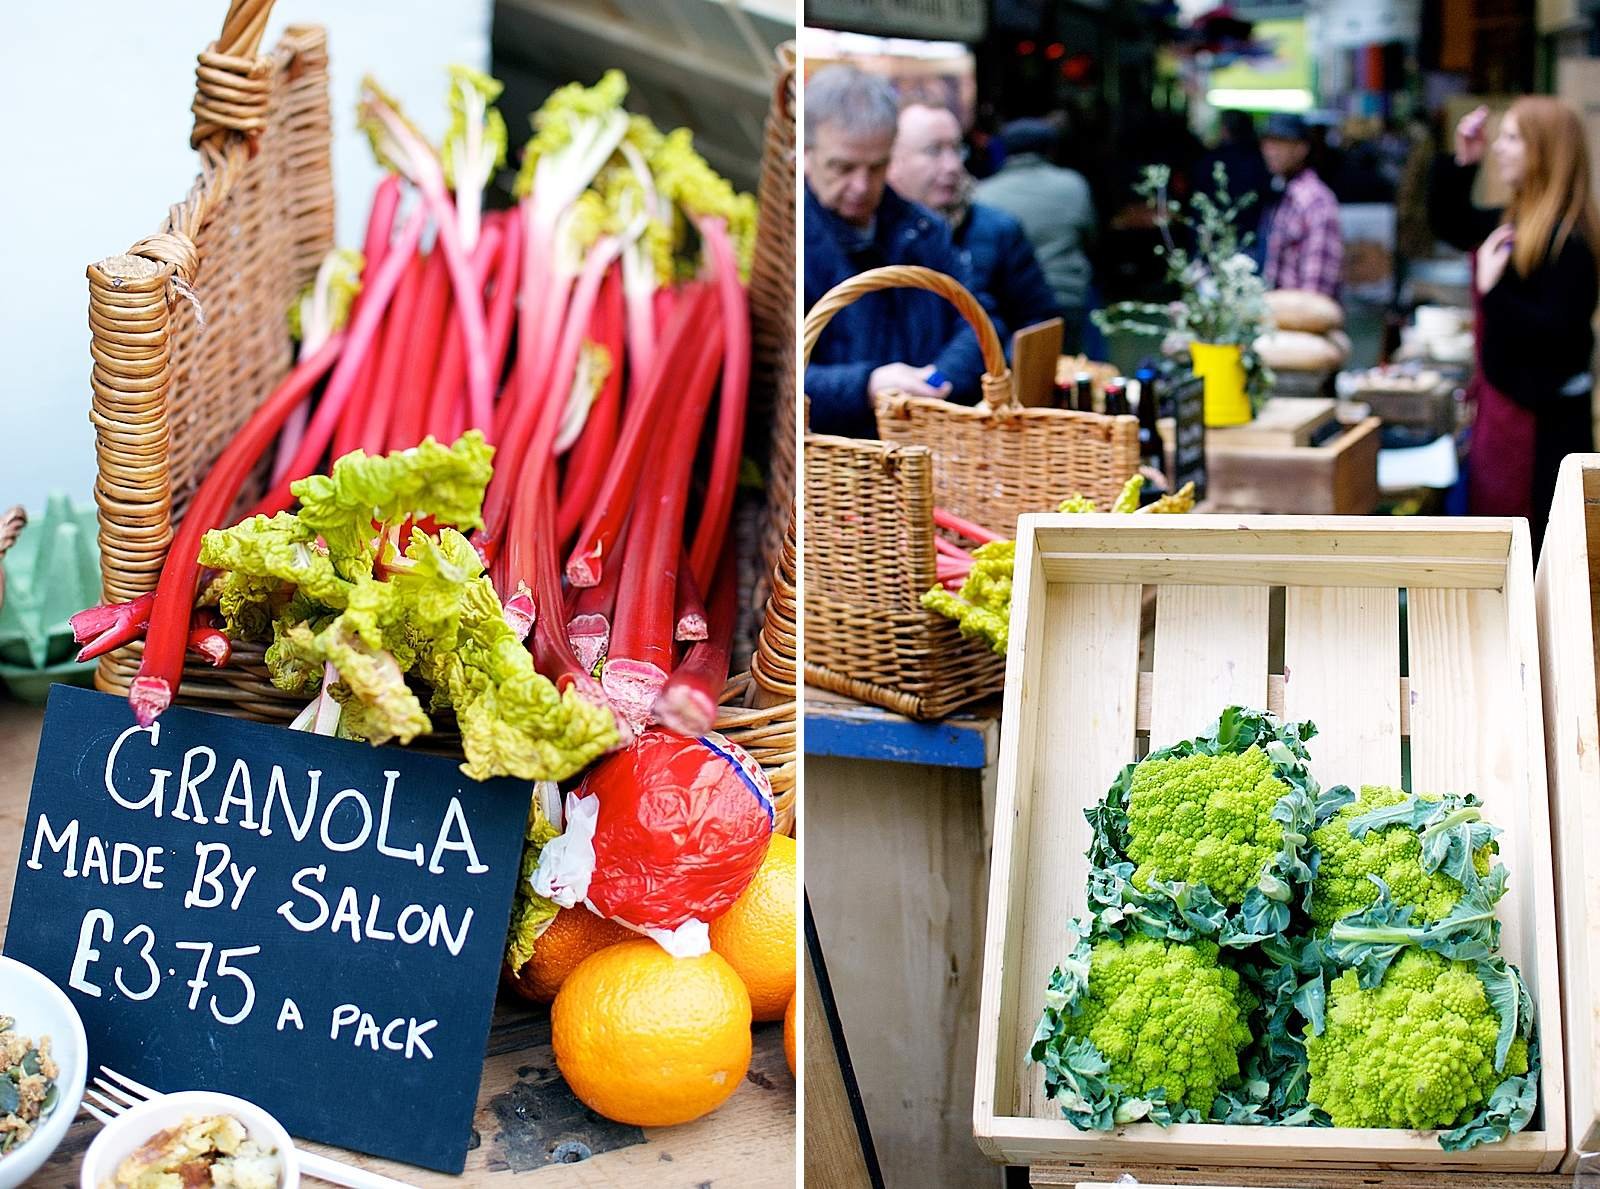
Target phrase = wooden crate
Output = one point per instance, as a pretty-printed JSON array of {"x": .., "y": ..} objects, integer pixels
[
  {"x": 1337, "y": 478},
  {"x": 1458, "y": 695},
  {"x": 1565, "y": 595}
]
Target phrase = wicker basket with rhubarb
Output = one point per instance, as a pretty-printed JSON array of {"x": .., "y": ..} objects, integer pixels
[{"x": 473, "y": 486}]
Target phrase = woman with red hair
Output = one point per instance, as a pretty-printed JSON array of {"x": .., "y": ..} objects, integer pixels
[{"x": 1535, "y": 287}]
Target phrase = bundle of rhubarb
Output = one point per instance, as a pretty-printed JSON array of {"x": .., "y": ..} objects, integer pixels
[
  {"x": 535, "y": 579},
  {"x": 975, "y": 588}
]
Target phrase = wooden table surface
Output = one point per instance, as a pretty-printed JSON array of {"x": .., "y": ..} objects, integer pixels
[{"x": 527, "y": 1120}]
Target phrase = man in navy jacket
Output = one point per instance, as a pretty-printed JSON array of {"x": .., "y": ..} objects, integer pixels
[
  {"x": 929, "y": 167},
  {"x": 893, "y": 340}
]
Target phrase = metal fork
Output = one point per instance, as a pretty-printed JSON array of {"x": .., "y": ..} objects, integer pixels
[{"x": 106, "y": 1099}]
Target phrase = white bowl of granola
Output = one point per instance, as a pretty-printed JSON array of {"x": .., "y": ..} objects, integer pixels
[
  {"x": 194, "y": 1134},
  {"x": 44, "y": 1057}
]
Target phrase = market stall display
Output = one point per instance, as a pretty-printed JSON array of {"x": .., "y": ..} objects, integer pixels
[
  {"x": 1449, "y": 703},
  {"x": 382, "y": 520}
]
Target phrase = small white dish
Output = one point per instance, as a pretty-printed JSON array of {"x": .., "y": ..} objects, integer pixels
[
  {"x": 119, "y": 1138},
  {"x": 40, "y": 1009}
]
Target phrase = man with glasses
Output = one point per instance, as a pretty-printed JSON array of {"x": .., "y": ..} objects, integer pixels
[
  {"x": 1056, "y": 211},
  {"x": 929, "y": 166},
  {"x": 897, "y": 340}
]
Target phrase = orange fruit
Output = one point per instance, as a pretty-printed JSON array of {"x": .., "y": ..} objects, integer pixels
[
  {"x": 757, "y": 935},
  {"x": 649, "y": 1039},
  {"x": 573, "y": 935},
  {"x": 788, "y": 1032}
]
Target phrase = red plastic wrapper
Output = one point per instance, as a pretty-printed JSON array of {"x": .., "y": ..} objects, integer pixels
[{"x": 679, "y": 828}]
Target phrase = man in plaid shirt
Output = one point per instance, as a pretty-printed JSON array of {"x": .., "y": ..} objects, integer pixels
[{"x": 1304, "y": 246}]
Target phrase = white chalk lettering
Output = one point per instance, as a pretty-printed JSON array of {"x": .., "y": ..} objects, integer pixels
[
  {"x": 348, "y": 913},
  {"x": 412, "y": 936},
  {"x": 440, "y": 928},
  {"x": 66, "y": 840},
  {"x": 290, "y": 1013},
  {"x": 96, "y": 920},
  {"x": 94, "y": 859},
  {"x": 372, "y": 929},
  {"x": 189, "y": 784},
  {"x": 156, "y": 794},
  {"x": 301, "y": 878},
  {"x": 415, "y": 853},
  {"x": 367, "y": 1031},
  {"x": 464, "y": 844},
  {"x": 278, "y": 787},
  {"x": 239, "y": 779},
  {"x": 366, "y": 821}
]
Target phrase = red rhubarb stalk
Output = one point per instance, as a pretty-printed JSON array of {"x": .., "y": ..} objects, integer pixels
[
  {"x": 380, "y": 225},
  {"x": 450, "y": 376},
  {"x": 503, "y": 305},
  {"x": 370, "y": 425},
  {"x": 593, "y": 609},
  {"x": 422, "y": 349},
  {"x": 529, "y": 439},
  {"x": 684, "y": 334},
  {"x": 586, "y": 465},
  {"x": 552, "y": 653},
  {"x": 952, "y": 523},
  {"x": 728, "y": 451},
  {"x": 396, "y": 140},
  {"x": 950, "y": 549},
  {"x": 363, "y": 330},
  {"x": 689, "y": 608},
  {"x": 207, "y": 640},
  {"x": 167, "y": 636},
  {"x": 688, "y": 702},
  {"x": 642, "y": 653},
  {"x": 111, "y": 625}
]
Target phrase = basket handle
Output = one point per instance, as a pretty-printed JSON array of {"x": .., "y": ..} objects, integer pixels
[
  {"x": 996, "y": 382},
  {"x": 233, "y": 84}
]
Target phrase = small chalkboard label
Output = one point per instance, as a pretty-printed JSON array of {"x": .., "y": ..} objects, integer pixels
[
  {"x": 1189, "y": 429},
  {"x": 310, "y": 923}
]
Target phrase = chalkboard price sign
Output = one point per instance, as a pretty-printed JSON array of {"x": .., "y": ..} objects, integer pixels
[
  {"x": 1189, "y": 429},
  {"x": 310, "y": 923}
]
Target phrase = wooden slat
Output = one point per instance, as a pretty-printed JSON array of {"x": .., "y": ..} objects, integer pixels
[
  {"x": 1274, "y": 700},
  {"x": 1175, "y": 568},
  {"x": 1211, "y": 652},
  {"x": 1087, "y": 694},
  {"x": 1341, "y": 660},
  {"x": 1283, "y": 423},
  {"x": 1242, "y": 538},
  {"x": 1566, "y": 605},
  {"x": 1468, "y": 716}
]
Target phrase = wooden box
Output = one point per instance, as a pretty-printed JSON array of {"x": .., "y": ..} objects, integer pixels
[
  {"x": 1337, "y": 478},
  {"x": 1565, "y": 594},
  {"x": 1411, "y": 645}
]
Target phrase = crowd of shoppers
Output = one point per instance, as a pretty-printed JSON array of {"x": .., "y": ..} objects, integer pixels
[{"x": 890, "y": 185}]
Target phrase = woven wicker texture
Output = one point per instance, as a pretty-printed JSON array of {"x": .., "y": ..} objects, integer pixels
[
  {"x": 170, "y": 389},
  {"x": 772, "y": 310},
  {"x": 997, "y": 460},
  {"x": 869, "y": 556},
  {"x": 11, "y": 525}
]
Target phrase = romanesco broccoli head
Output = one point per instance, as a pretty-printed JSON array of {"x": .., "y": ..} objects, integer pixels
[
  {"x": 1205, "y": 819},
  {"x": 1166, "y": 1016},
  {"x": 1415, "y": 1051},
  {"x": 1393, "y": 854}
]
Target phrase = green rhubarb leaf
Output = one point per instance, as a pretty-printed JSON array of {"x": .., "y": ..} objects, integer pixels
[{"x": 445, "y": 482}]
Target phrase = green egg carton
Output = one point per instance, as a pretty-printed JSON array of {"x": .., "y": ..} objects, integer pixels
[{"x": 51, "y": 572}]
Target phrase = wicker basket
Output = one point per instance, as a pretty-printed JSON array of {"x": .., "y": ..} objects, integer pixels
[
  {"x": 869, "y": 543},
  {"x": 869, "y": 557},
  {"x": 998, "y": 460},
  {"x": 171, "y": 389}
]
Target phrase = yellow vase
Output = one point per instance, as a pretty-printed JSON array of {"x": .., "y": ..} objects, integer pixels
[{"x": 1221, "y": 366}]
